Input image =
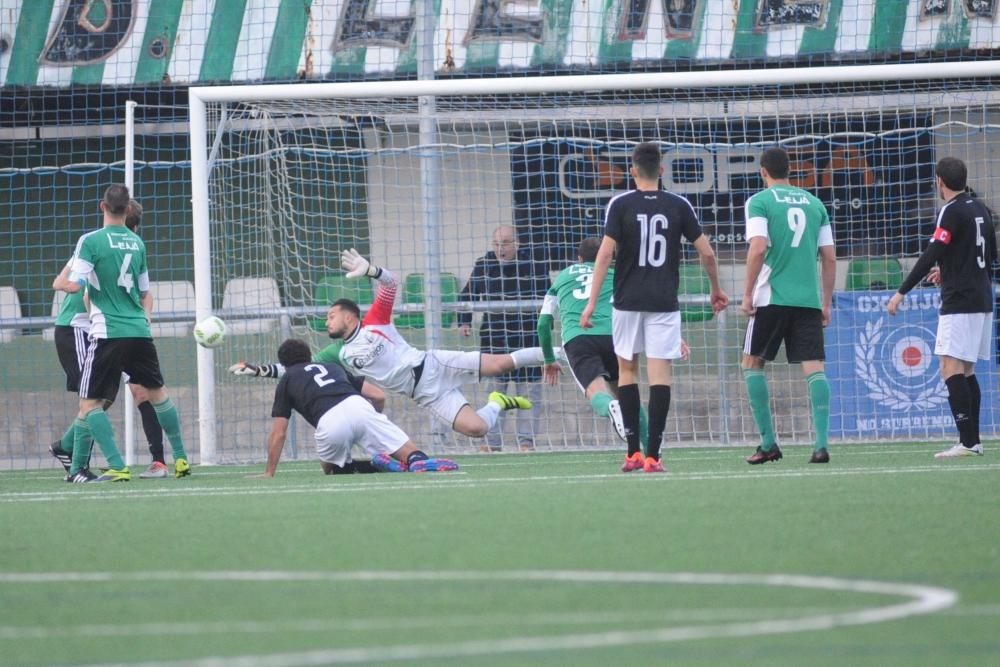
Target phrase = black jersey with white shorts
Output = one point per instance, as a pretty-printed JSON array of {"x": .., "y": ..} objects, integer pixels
[
  {"x": 647, "y": 226},
  {"x": 329, "y": 399},
  {"x": 311, "y": 389},
  {"x": 964, "y": 248}
]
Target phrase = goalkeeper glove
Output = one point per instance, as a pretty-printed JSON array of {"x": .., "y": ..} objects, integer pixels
[
  {"x": 264, "y": 371},
  {"x": 357, "y": 266}
]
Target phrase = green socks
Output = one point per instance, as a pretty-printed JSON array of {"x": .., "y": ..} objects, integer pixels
[
  {"x": 600, "y": 401},
  {"x": 760, "y": 405},
  {"x": 819, "y": 398},
  {"x": 81, "y": 445},
  {"x": 99, "y": 427},
  {"x": 171, "y": 423},
  {"x": 66, "y": 442}
]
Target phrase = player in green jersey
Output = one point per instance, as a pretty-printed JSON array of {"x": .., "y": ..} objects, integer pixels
[
  {"x": 786, "y": 228},
  {"x": 111, "y": 262},
  {"x": 590, "y": 352},
  {"x": 72, "y": 328}
]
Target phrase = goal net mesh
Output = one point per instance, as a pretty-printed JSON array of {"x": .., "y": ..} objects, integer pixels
[{"x": 292, "y": 183}]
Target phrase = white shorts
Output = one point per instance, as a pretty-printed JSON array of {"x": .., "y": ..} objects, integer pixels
[
  {"x": 351, "y": 421},
  {"x": 964, "y": 336},
  {"x": 444, "y": 372},
  {"x": 658, "y": 335}
]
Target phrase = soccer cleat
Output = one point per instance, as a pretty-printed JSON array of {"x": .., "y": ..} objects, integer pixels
[
  {"x": 64, "y": 457},
  {"x": 113, "y": 475},
  {"x": 959, "y": 451},
  {"x": 509, "y": 402},
  {"x": 764, "y": 455},
  {"x": 433, "y": 465},
  {"x": 81, "y": 477},
  {"x": 633, "y": 462},
  {"x": 181, "y": 468},
  {"x": 156, "y": 470},
  {"x": 526, "y": 446},
  {"x": 652, "y": 465},
  {"x": 487, "y": 449},
  {"x": 820, "y": 456},
  {"x": 385, "y": 463},
  {"x": 615, "y": 414}
]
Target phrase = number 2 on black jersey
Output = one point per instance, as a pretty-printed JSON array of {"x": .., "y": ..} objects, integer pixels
[{"x": 320, "y": 377}]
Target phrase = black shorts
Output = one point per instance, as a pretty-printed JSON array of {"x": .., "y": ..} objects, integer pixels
[
  {"x": 108, "y": 357},
  {"x": 71, "y": 346},
  {"x": 801, "y": 330},
  {"x": 591, "y": 357}
]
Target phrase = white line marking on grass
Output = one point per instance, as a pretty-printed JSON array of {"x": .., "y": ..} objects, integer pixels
[
  {"x": 434, "y": 481},
  {"x": 920, "y": 600},
  {"x": 340, "y": 624}
]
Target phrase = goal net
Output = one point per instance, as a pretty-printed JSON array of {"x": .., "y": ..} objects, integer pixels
[{"x": 419, "y": 176}]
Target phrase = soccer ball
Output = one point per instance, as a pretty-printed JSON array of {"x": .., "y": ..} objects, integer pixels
[{"x": 210, "y": 332}]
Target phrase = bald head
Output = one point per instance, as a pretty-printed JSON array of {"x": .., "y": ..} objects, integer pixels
[{"x": 505, "y": 243}]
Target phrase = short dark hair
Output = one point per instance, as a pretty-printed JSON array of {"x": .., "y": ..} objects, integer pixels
[
  {"x": 646, "y": 160},
  {"x": 133, "y": 214},
  {"x": 348, "y": 305},
  {"x": 116, "y": 199},
  {"x": 294, "y": 351},
  {"x": 953, "y": 173},
  {"x": 775, "y": 160},
  {"x": 588, "y": 248}
]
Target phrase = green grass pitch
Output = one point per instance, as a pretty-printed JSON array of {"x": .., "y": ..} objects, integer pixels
[{"x": 884, "y": 557}]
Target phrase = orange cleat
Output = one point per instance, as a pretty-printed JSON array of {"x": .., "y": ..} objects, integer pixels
[{"x": 633, "y": 462}]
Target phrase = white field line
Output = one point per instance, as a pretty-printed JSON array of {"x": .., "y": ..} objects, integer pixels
[
  {"x": 918, "y": 600},
  {"x": 521, "y": 459},
  {"x": 437, "y": 481},
  {"x": 379, "y": 624}
]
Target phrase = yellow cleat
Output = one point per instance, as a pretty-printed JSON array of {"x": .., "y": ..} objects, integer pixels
[
  {"x": 509, "y": 402},
  {"x": 113, "y": 475},
  {"x": 181, "y": 468}
]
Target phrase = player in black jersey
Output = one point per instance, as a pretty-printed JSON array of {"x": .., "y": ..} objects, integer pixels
[
  {"x": 964, "y": 248},
  {"x": 645, "y": 226},
  {"x": 330, "y": 400}
]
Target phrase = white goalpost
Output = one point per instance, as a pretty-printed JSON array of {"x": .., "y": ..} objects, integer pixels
[{"x": 418, "y": 174}]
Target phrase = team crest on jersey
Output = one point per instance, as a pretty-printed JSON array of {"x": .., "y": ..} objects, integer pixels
[{"x": 898, "y": 367}]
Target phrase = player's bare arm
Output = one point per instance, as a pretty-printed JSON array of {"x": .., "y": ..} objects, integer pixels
[
  {"x": 828, "y": 276},
  {"x": 707, "y": 258},
  {"x": 275, "y": 444},
  {"x": 601, "y": 265},
  {"x": 755, "y": 262}
]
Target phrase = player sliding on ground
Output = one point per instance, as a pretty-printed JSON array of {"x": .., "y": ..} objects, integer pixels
[
  {"x": 373, "y": 348},
  {"x": 330, "y": 400}
]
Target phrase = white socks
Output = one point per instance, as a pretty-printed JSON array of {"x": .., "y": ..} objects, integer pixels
[{"x": 490, "y": 413}]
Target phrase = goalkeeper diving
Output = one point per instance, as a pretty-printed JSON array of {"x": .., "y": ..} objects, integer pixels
[{"x": 371, "y": 347}]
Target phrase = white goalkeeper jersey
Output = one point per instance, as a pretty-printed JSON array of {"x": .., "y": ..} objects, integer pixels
[{"x": 376, "y": 350}]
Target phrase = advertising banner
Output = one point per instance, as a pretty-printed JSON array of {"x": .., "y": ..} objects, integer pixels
[
  {"x": 874, "y": 175},
  {"x": 885, "y": 381}
]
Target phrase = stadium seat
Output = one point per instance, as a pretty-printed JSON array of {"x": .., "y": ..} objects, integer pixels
[
  {"x": 172, "y": 296},
  {"x": 250, "y": 294},
  {"x": 333, "y": 287},
  {"x": 694, "y": 281},
  {"x": 874, "y": 273},
  {"x": 413, "y": 292},
  {"x": 10, "y": 309},
  {"x": 58, "y": 296}
]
